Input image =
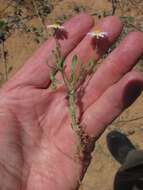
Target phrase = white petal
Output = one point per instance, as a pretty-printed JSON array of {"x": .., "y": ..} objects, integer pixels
[
  {"x": 97, "y": 34},
  {"x": 104, "y": 33},
  {"x": 101, "y": 35},
  {"x": 49, "y": 26},
  {"x": 55, "y": 26},
  {"x": 91, "y": 34}
]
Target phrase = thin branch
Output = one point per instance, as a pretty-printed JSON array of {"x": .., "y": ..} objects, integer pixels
[{"x": 114, "y": 6}]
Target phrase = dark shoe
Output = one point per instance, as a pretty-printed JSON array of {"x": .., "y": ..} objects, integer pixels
[{"x": 119, "y": 145}]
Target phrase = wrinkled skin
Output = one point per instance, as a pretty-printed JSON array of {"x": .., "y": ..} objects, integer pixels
[{"x": 37, "y": 144}]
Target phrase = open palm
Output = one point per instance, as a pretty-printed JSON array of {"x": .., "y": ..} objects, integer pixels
[{"x": 37, "y": 144}]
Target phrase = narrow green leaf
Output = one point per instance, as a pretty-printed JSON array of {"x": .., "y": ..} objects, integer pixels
[
  {"x": 53, "y": 80},
  {"x": 80, "y": 69},
  {"x": 3, "y": 25},
  {"x": 73, "y": 64},
  {"x": 60, "y": 64},
  {"x": 52, "y": 76},
  {"x": 90, "y": 66}
]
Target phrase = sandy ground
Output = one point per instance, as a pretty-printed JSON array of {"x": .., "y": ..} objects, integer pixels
[{"x": 21, "y": 45}]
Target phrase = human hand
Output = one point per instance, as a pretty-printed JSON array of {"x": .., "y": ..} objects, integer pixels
[{"x": 36, "y": 139}]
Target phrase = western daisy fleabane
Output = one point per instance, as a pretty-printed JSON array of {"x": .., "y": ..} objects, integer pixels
[
  {"x": 97, "y": 34},
  {"x": 55, "y": 26}
]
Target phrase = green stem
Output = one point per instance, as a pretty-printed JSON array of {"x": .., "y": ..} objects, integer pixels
[
  {"x": 72, "y": 109},
  {"x": 74, "y": 123},
  {"x": 72, "y": 104},
  {"x": 71, "y": 89}
]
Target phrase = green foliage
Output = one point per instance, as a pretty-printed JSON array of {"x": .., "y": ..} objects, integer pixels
[
  {"x": 73, "y": 65},
  {"x": 60, "y": 64},
  {"x": 53, "y": 81},
  {"x": 71, "y": 84},
  {"x": 3, "y": 30},
  {"x": 3, "y": 25}
]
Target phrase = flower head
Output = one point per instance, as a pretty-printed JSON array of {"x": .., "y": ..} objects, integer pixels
[
  {"x": 55, "y": 27},
  {"x": 98, "y": 34},
  {"x": 58, "y": 31}
]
